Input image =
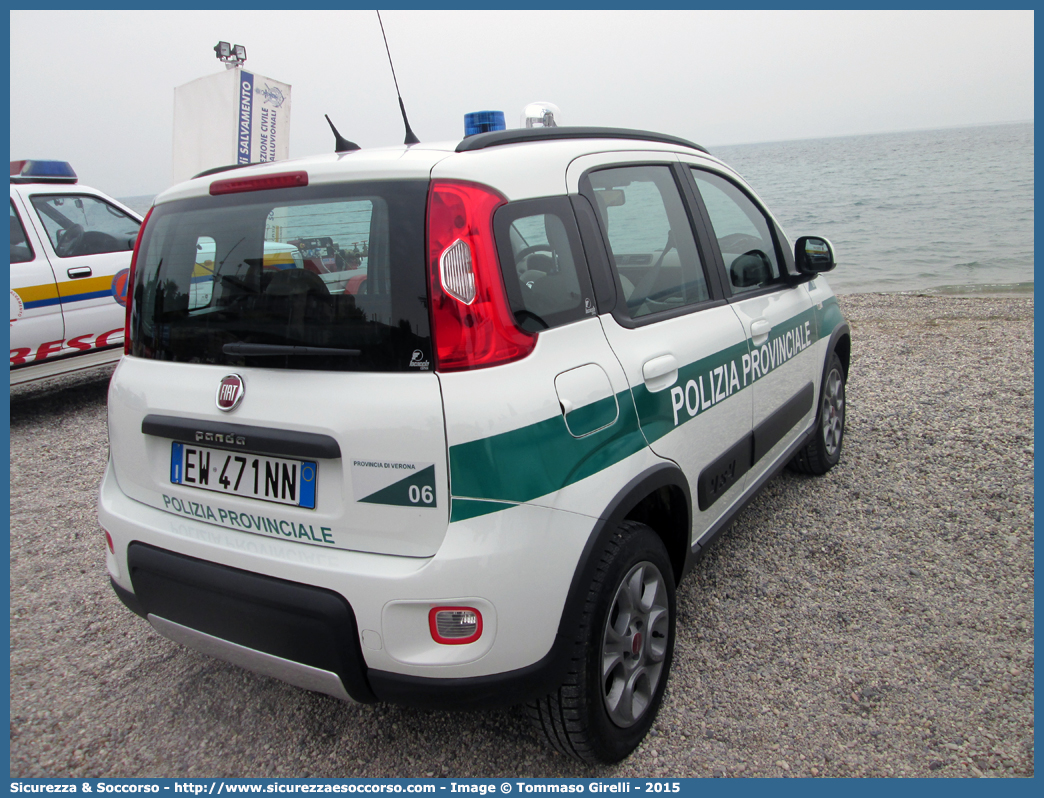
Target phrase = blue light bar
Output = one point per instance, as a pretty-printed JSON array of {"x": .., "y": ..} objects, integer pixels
[
  {"x": 483, "y": 122},
  {"x": 42, "y": 172}
]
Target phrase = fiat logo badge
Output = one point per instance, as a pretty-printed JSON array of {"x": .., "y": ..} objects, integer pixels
[{"x": 230, "y": 393}]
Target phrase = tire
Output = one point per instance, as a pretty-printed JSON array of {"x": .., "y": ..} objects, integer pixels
[
  {"x": 626, "y": 630},
  {"x": 824, "y": 450}
]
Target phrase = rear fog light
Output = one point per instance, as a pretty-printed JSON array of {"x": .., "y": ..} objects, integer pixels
[{"x": 455, "y": 625}]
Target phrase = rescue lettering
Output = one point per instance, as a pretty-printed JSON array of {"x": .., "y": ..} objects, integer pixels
[{"x": 80, "y": 343}]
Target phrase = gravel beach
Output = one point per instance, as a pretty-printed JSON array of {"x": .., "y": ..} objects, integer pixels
[{"x": 874, "y": 622}]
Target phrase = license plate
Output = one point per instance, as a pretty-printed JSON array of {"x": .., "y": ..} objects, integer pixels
[{"x": 252, "y": 476}]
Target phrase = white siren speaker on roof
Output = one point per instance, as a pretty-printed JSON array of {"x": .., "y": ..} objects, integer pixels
[{"x": 540, "y": 114}]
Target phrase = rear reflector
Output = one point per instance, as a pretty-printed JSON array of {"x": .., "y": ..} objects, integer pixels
[
  {"x": 108, "y": 542},
  {"x": 458, "y": 276},
  {"x": 453, "y": 626},
  {"x": 235, "y": 185}
]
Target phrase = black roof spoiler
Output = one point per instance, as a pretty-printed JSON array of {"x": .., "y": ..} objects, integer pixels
[
  {"x": 496, "y": 138},
  {"x": 217, "y": 169}
]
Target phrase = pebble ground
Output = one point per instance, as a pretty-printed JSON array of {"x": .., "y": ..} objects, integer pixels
[{"x": 874, "y": 622}]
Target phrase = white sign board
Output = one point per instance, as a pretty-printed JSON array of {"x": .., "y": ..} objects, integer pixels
[{"x": 233, "y": 117}]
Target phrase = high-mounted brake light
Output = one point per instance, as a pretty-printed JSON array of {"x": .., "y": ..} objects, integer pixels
[
  {"x": 27, "y": 171},
  {"x": 235, "y": 185},
  {"x": 130, "y": 284},
  {"x": 471, "y": 320},
  {"x": 455, "y": 626}
]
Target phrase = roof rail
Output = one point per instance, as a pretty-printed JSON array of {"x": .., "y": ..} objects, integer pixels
[{"x": 496, "y": 138}]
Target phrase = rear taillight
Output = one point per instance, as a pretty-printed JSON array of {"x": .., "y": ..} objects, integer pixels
[
  {"x": 130, "y": 285},
  {"x": 470, "y": 318}
]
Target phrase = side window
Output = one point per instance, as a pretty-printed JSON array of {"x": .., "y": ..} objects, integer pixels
[
  {"x": 85, "y": 225},
  {"x": 21, "y": 251},
  {"x": 744, "y": 237},
  {"x": 657, "y": 264},
  {"x": 545, "y": 274}
]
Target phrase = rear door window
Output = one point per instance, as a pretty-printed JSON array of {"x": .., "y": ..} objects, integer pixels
[
  {"x": 658, "y": 266},
  {"x": 542, "y": 260},
  {"x": 327, "y": 278}
]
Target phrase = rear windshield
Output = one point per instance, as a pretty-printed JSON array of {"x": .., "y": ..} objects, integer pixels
[{"x": 320, "y": 277}]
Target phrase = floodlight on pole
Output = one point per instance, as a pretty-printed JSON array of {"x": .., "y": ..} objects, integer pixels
[{"x": 230, "y": 55}]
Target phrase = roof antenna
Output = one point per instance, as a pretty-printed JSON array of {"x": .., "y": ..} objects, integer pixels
[
  {"x": 410, "y": 137},
  {"x": 341, "y": 144}
]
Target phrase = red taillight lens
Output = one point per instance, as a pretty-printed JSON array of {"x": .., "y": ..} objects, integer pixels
[
  {"x": 454, "y": 626},
  {"x": 470, "y": 317},
  {"x": 130, "y": 284},
  {"x": 235, "y": 185}
]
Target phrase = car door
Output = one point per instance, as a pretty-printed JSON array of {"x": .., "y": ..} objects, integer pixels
[
  {"x": 89, "y": 241},
  {"x": 36, "y": 312},
  {"x": 680, "y": 344},
  {"x": 776, "y": 314}
]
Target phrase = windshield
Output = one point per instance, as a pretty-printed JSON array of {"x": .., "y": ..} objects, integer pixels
[{"x": 328, "y": 277}]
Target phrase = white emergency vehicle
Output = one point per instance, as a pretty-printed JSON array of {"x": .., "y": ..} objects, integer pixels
[
  {"x": 71, "y": 249},
  {"x": 477, "y": 477}
]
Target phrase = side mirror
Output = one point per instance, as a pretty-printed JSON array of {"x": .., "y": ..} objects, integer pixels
[{"x": 813, "y": 255}]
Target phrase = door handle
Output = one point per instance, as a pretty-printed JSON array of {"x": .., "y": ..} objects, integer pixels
[
  {"x": 660, "y": 372},
  {"x": 760, "y": 328},
  {"x": 79, "y": 271}
]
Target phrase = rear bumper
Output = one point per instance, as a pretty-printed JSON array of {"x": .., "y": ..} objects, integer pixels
[
  {"x": 370, "y": 628},
  {"x": 354, "y": 682},
  {"x": 301, "y": 634}
]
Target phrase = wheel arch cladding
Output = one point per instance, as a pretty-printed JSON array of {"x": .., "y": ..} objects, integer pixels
[
  {"x": 843, "y": 346},
  {"x": 659, "y": 498}
]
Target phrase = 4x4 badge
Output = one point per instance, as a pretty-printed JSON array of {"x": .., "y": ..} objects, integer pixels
[{"x": 230, "y": 393}]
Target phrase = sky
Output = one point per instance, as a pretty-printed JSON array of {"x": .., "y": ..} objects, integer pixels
[{"x": 98, "y": 89}]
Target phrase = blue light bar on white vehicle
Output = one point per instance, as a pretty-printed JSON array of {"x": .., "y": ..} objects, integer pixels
[
  {"x": 42, "y": 172},
  {"x": 483, "y": 122}
]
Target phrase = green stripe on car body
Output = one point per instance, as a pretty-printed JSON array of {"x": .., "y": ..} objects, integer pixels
[
  {"x": 536, "y": 460},
  {"x": 713, "y": 379},
  {"x": 829, "y": 316},
  {"x": 520, "y": 465},
  {"x": 415, "y": 490}
]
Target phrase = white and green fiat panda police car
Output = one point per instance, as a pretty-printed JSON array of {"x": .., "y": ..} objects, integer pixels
[{"x": 464, "y": 454}]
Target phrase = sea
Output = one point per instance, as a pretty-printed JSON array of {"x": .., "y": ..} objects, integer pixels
[{"x": 929, "y": 211}]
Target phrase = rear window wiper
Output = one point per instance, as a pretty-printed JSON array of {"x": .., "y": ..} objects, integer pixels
[{"x": 271, "y": 350}]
